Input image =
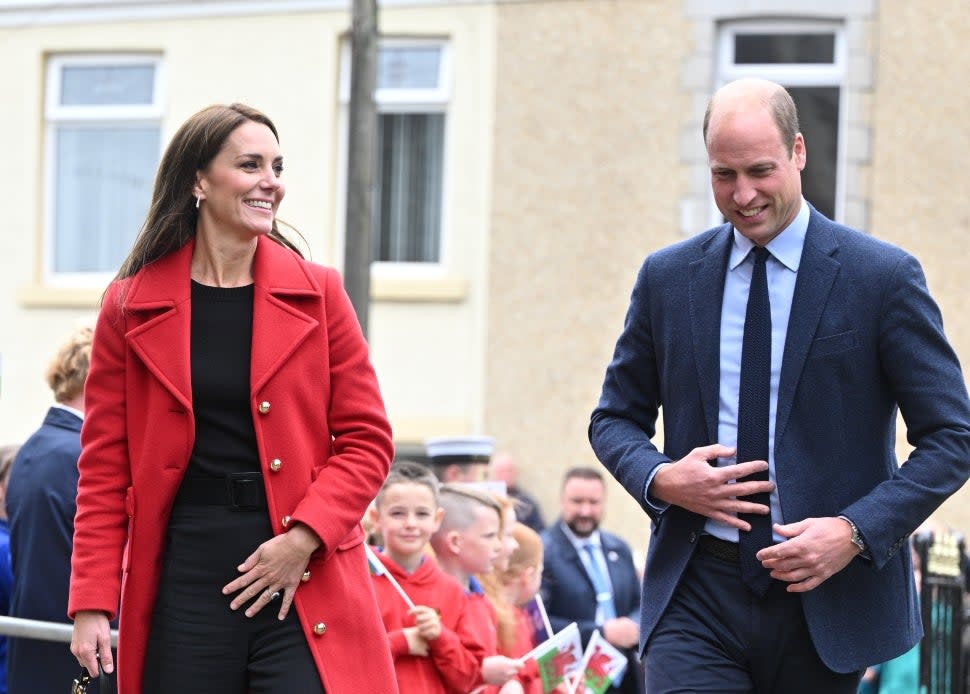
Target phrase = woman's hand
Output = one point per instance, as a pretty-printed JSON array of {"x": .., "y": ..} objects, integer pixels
[
  {"x": 92, "y": 637},
  {"x": 273, "y": 571}
]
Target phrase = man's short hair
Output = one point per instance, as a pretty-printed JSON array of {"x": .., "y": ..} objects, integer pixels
[{"x": 583, "y": 472}]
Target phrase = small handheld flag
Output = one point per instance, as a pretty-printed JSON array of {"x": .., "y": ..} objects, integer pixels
[{"x": 377, "y": 568}]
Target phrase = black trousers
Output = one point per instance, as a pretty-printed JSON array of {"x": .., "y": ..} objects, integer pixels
[
  {"x": 717, "y": 636},
  {"x": 197, "y": 645}
]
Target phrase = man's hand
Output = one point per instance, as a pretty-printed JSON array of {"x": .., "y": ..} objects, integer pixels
[
  {"x": 622, "y": 632},
  {"x": 816, "y": 549},
  {"x": 694, "y": 484}
]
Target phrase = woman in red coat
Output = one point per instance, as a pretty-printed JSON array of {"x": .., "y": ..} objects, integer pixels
[{"x": 234, "y": 436}]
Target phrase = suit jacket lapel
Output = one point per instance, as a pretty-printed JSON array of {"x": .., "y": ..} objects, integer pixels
[
  {"x": 280, "y": 320},
  {"x": 817, "y": 271},
  {"x": 158, "y": 300},
  {"x": 706, "y": 293}
]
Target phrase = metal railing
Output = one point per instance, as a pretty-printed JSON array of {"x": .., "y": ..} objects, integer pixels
[{"x": 42, "y": 631}]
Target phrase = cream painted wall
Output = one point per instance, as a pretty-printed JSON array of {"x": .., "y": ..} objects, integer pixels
[
  {"x": 587, "y": 182},
  {"x": 429, "y": 354},
  {"x": 920, "y": 191}
]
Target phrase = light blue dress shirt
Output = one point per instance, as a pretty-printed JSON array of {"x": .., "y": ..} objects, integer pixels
[
  {"x": 604, "y": 569},
  {"x": 782, "y": 269}
]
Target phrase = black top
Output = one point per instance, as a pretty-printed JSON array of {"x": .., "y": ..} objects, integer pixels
[{"x": 222, "y": 332}]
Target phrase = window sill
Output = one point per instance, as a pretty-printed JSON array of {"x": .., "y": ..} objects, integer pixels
[
  {"x": 39, "y": 296},
  {"x": 419, "y": 289}
]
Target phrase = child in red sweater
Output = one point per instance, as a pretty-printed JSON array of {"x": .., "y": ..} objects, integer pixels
[
  {"x": 467, "y": 543},
  {"x": 435, "y": 646},
  {"x": 519, "y": 582}
]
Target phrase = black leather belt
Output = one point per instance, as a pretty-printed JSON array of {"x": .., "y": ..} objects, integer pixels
[
  {"x": 240, "y": 491},
  {"x": 718, "y": 548}
]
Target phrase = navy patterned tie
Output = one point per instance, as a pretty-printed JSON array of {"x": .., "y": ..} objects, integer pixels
[{"x": 753, "y": 415}]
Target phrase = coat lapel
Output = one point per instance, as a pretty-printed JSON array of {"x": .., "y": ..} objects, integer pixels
[
  {"x": 280, "y": 321},
  {"x": 706, "y": 293},
  {"x": 158, "y": 301},
  {"x": 816, "y": 274}
]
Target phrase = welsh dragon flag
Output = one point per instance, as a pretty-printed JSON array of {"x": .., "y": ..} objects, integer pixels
[
  {"x": 602, "y": 665},
  {"x": 558, "y": 657}
]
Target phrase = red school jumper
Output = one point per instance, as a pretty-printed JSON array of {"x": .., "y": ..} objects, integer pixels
[{"x": 454, "y": 663}]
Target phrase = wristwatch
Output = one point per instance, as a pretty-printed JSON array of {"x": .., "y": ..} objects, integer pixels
[{"x": 856, "y": 535}]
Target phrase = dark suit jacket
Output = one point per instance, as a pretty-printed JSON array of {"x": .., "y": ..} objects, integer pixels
[
  {"x": 40, "y": 504},
  {"x": 864, "y": 336},
  {"x": 568, "y": 593}
]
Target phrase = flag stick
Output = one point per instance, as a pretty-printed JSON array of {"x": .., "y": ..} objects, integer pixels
[{"x": 387, "y": 574}]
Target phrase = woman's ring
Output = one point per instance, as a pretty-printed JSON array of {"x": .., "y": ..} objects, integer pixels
[{"x": 273, "y": 596}]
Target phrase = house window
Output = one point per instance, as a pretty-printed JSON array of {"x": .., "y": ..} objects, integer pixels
[
  {"x": 808, "y": 58},
  {"x": 412, "y": 101},
  {"x": 103, "y": 137}
]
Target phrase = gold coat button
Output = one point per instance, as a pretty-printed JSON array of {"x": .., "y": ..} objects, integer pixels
[
  {"x": 264, "y": 407},
  {"x": 285, "y": 521},
  {"x": 319, "y": 628},
  {"x": 275, "y": 464},
  {"x": 306, "y": 576}
]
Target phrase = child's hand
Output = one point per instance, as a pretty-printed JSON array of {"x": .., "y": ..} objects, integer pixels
[
  {"x": 416, "y": 644},
  {"x": 427, "y": 622},
  {"x": 497, "y": 669}
]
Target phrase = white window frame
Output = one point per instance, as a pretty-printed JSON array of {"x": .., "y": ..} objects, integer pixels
[
  {"x": 832, "y": 74},
  {"x": 430, "y": 100},
  {"x": 56, "y": 115}
]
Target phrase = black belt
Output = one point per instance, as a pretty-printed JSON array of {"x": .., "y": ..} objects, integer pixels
[
  {"x": 718, "y": 548},
  {"x": 240, "y": 491}
]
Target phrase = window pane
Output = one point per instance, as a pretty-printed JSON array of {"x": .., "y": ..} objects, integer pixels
[
  {"x": 98, "y": 85},
  {"x": 784, "y": 48},
  {"x": 410, "y": 147},
  {"x": 818, "y": 114},
  {"x": 412, "y": 67},
  {"x": 103, "y": 187}
]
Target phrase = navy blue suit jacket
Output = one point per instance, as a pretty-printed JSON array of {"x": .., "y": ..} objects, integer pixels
[
  {"x": 864, "y": 337},
  {"x": 41, "y": 504},
  {"x": 569, "y": 596},
  {"x": 567, "y": 590}
]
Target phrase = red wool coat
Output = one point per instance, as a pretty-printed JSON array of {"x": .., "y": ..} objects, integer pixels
[{"x": 317, "y": 412}]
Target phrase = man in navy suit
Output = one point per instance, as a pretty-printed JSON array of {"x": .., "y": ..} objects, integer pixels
[
  {"x": 41, "y": 505},
  {"x": 853, "y": 335},
  {"x": 588, "y": 576}
]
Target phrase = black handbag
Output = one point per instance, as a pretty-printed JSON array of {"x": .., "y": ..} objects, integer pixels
[{"x": 84, "y": 680}]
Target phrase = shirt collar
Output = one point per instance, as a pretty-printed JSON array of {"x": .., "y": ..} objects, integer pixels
[
  {"x": 77, "y": 413},
  {"x": 578, "y": 542},
  {"x": 786, "y": 247}
]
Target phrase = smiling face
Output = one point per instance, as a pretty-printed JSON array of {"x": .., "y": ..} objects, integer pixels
[
  {"x": 406, "y": 516},
  {"x": 756, "y": 181},
  {"x": 581, "y": 505},
  {"x": 241, "y": 188}
]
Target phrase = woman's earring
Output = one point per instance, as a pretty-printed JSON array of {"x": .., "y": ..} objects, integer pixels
[{"x": 198, "y": 200}]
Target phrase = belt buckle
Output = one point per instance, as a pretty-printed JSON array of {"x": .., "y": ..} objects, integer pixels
[{"x": 243, "y": 491}]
